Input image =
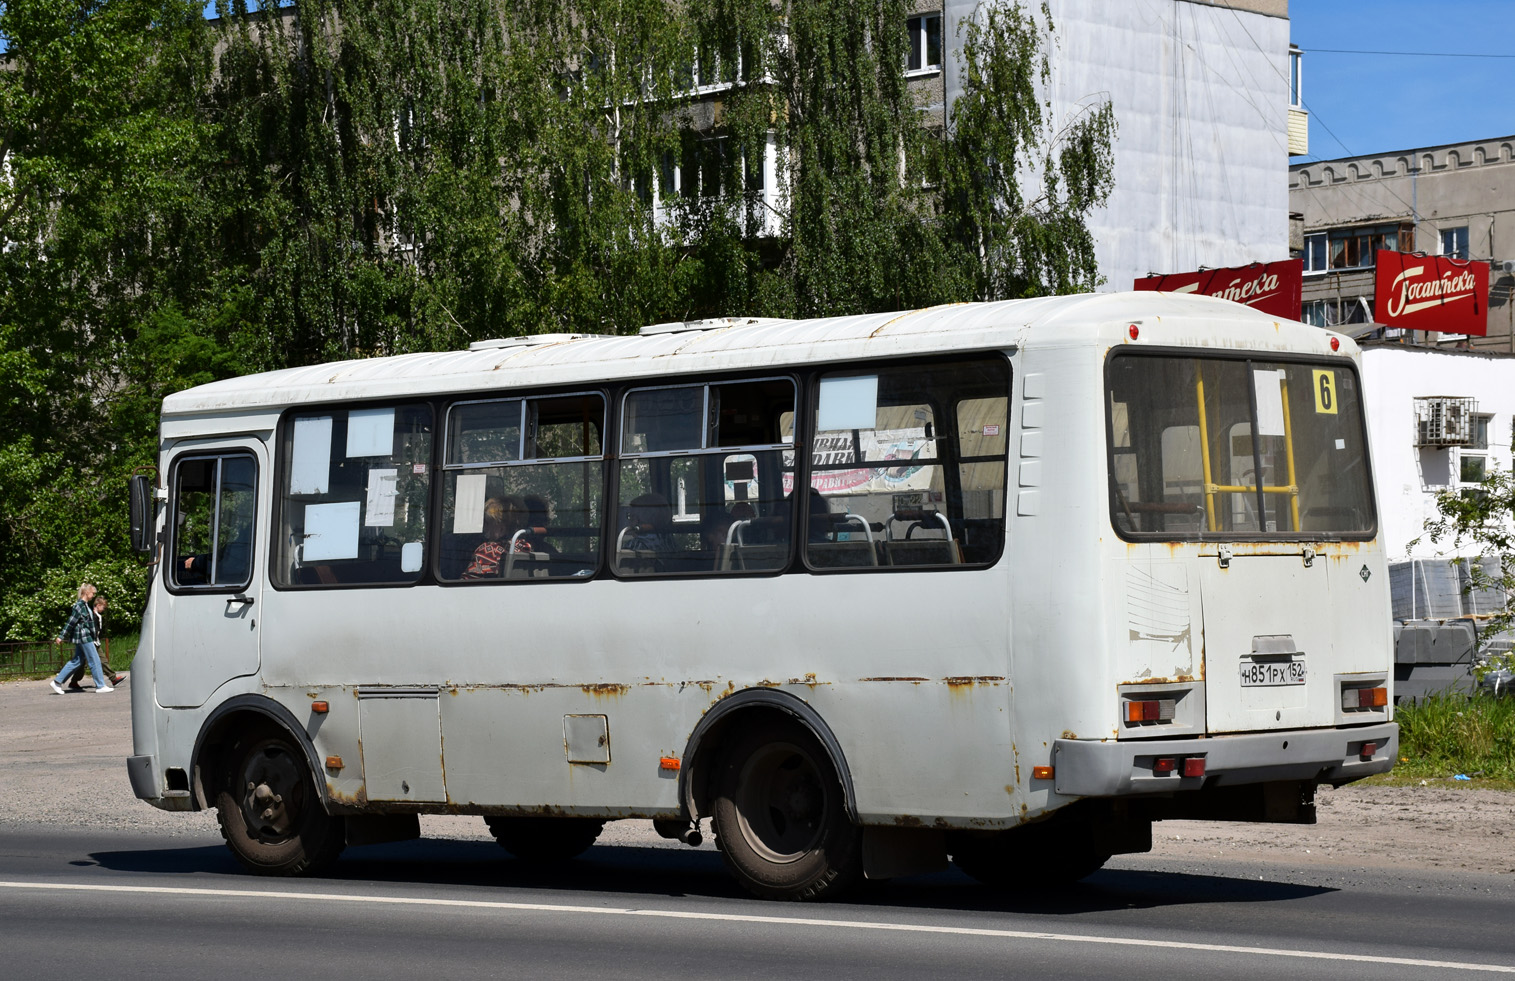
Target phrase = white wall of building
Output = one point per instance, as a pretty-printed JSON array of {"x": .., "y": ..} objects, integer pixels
[
  {"x": 1201, "y": 98},
  {"x": 1408, "y": 477}
]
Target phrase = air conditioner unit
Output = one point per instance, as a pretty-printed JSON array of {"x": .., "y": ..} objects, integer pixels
[{"x": 1444, "y": 421}]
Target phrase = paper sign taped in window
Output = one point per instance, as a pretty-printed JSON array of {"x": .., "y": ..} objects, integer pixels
[
  {"x": 371, "y": 432},
  {"x": 331, "y": 531},
  {"x": 411, "y": 554},
  {"x": 469, "y": 516},
  {"x": 848, "y": 403},
  {"x": 379, "y": 509},
  {"x": 310, "y": 457},
  {"x": 1267, "y": 383}
]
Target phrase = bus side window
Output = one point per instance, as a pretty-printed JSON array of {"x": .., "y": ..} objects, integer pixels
[
  {"x": 909, "y": 460},
  {"x": 705, "y": 478},
  {"x": 522, "y": 488},
  {"x": 215, "y": 504},
  {"x": 355, "y": 496}
]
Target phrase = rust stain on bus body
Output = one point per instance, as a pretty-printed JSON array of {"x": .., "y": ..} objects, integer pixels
[
  {"x": 605, "y": 690},
  {"x": 911, "y": 680},
  {"x": 1182, "y": 679}
]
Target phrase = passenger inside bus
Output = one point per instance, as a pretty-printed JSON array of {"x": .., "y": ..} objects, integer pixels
[{"x": 503, "y": 519}]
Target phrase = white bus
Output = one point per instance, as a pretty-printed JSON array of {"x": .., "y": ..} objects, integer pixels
[{"x": 1060, "y": 568}]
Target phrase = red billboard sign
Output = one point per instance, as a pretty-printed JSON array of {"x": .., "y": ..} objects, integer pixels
[
  {"x": 1431, "y": 292},
  {"x": 1272, "y": 287}
]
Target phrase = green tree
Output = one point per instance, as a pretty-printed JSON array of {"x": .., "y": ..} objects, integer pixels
[
  {"x": 187, "y": 200},
  {"x": 1481, "y": 521}
]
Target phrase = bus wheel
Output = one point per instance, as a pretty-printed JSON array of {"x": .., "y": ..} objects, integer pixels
[
  {"x": 269, "y": 813},
  {"x": 1042, "y": 854},
  {"x": 780, "y": 819},
  {"x": 542, "y": 841}
]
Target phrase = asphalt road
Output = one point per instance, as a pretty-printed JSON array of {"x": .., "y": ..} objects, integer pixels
[{"x": 91, "y": 903}]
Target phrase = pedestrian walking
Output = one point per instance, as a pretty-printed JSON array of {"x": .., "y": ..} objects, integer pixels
[
  {"x": 101, "y": 646},
  {"x": 80, "y": 629}
]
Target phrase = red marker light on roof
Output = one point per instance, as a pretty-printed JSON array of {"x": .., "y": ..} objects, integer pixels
[
  {"x": 1336, "y": 344},
  {"x": 1134, "y": 332}
]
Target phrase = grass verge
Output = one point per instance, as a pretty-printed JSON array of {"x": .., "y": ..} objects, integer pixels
[{"x": 1446, "y": 735}]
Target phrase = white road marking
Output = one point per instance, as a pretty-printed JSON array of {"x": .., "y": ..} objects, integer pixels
[{"x": 787, "y": 921}]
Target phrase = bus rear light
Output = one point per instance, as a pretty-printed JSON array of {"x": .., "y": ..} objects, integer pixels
[
  {"x": 1364, "y": 698},
  {"x": 1041, "y": 773},
  {"x": 1193, "y": 766},
  {"x": 1150, "y": 710},
  {"x": 1336, "y": 344},
  {"x": 1164, "y": 764},
  {"x": 1134, "y": 331}
]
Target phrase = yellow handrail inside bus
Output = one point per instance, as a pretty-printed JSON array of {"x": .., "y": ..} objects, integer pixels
[
  {"x": 1204, "y": 447},
  {"x": 1212, "y": 488},
  {"x": 1293, "y": 489}
]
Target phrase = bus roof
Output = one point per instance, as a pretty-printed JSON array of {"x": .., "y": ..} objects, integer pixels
[{"x": 735, "y": 343}]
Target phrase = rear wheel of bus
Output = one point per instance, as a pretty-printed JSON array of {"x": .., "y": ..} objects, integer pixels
[
  {"x": 780, "y": 818},
  {"x": 268, "y": 810}
]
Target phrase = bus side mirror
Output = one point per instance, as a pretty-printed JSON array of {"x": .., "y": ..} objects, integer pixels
[{"x": 142, "y": 513}]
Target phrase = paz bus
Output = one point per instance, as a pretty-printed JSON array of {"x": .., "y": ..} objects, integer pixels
[{"x": 996, "y": 584}]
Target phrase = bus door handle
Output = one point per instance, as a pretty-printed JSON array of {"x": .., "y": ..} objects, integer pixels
[{"x": 243, "y": 600}]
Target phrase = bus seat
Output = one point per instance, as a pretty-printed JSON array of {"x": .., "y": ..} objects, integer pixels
[
  {"x": 923, "y": 551},
  {"x": 754, "y": 558},
  {"x": 526, "y": 565},
  {"x": 842, "y": 555}
]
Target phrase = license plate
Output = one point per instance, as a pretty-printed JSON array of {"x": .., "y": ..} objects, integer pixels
[{"x": 1263, "y": 674}]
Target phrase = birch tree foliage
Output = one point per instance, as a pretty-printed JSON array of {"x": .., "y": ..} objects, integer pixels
[{"x": 186, "y": 200}]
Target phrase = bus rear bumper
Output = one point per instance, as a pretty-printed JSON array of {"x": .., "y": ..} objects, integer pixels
[{"x": 1086, "y": 768}]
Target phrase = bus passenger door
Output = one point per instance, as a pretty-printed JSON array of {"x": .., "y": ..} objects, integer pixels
[{"x": 213, "y": 570}]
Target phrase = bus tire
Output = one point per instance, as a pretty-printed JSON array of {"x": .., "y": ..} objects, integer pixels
[
  {"x": 1052, "y": 853},
  {"x": 544, "y": 841},
  {"x": 269, "y": 812},
  {"x": 780, "y": 817}
]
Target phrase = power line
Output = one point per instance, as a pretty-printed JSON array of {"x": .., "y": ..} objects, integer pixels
[{"x": 1407, "y": 54}]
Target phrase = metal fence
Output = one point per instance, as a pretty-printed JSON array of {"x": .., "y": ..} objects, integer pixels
[
  {"x": 37, "y": 658},
  {"x": 31, "y": 658}
]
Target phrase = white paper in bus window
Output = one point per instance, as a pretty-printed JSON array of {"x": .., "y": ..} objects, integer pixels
[
  {"x": 371, "y": 432},
  {"x": 379, "y": 509},
  {"x": 469, "y": 518},
  {"x": 848, "y": 403},
  {"x": 331, "y": 531},
  {"x": 410, "y": 557},
  {"x": 1270, "y": 401},
  {"x": 310, "y": 457}
]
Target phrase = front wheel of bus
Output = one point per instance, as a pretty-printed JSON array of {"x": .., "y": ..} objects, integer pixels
[
  {"x": 269, "y": 812},
  {"x": 780, "y": 818}
]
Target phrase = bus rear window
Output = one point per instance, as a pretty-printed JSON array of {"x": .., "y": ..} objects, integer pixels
[{"x": 1204, "y": 447}]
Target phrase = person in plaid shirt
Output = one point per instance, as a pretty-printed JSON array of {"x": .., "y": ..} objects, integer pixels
[{"x": 81, "y": 630}]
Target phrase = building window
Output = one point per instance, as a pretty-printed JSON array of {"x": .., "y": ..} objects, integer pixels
[
  {"x": 1315, "y": 252},
  {"x": 1479, "y": 436},
  {"x": 1320, "y": 313},
  {"x": 1357, "y": 248},
  {"x": 1454, "y": 242},
  {"x": 925, "y": 43},
  {"x": 1296, "y": 77}
]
